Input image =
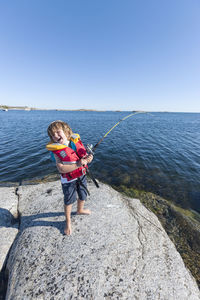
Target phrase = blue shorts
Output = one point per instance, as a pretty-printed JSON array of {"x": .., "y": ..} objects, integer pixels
[{"x": 71, "y": 189}]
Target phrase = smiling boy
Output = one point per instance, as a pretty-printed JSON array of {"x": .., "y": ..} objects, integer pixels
[{"x": 71, "y": 161}]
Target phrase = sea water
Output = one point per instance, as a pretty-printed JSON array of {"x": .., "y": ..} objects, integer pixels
[{"x": 156, "y": 152}]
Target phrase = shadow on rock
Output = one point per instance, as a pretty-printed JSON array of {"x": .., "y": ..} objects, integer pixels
[
  {"x": 43, "y": 219},
  {"x": 6, "y": 218}
]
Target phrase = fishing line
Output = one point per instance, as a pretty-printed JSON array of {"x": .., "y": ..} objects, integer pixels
[{"x": 91, "y": 148}]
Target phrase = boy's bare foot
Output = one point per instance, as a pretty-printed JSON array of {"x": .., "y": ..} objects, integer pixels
[
  {"x": 83, "y": 212},
  {"x": 68, "y": 229}
]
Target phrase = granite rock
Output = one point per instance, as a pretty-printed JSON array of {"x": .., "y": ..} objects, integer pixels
[
  {"x": 120, "y": 251},
  {"x": 8, "y": 221}
]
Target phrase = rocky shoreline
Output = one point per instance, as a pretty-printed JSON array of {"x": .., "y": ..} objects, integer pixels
[
  {"x": 121, "y": 251},
  {"x": 182, "y": 226}
]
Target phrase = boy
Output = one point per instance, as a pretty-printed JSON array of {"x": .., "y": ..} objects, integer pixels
[{"x": 71, "y": 161}]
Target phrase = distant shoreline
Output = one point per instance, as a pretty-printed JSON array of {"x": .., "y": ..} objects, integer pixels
[
  {"x": 27, "y": 108},
  {"x": 7, "y": 107}
]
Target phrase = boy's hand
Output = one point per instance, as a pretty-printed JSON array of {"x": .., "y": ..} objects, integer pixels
[
  {"x": 89, "y": 158},
  {"x": 83, "y": 162},
  {"x": 86, "y": 160}
]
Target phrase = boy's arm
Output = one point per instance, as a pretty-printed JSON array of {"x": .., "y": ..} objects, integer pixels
[{"x": 66, "y": 168}]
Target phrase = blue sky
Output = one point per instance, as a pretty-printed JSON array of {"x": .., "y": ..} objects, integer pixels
[{"x": 105, "y": 55}]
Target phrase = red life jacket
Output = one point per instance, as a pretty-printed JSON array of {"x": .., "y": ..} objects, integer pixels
[{"x": 68, "y": 155}]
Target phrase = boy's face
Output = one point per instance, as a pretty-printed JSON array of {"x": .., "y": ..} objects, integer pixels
[{"x": 59, "y": 136}]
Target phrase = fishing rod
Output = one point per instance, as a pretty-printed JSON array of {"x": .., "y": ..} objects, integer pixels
[{"x": 91, "y": 148}]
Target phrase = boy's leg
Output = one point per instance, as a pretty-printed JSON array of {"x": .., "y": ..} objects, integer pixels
[
  {"x": 69, "y": 191},
  {"x": 82, "y": 193},
  {"x": 68, "y": 228},
  {"x": 80, "y": 208}
]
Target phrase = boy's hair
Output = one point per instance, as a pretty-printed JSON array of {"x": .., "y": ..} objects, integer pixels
[{"x": 59, "y": 125}]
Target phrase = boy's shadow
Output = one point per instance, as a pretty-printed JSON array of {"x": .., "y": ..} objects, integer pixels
[{"x": 8, "y": 220}]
